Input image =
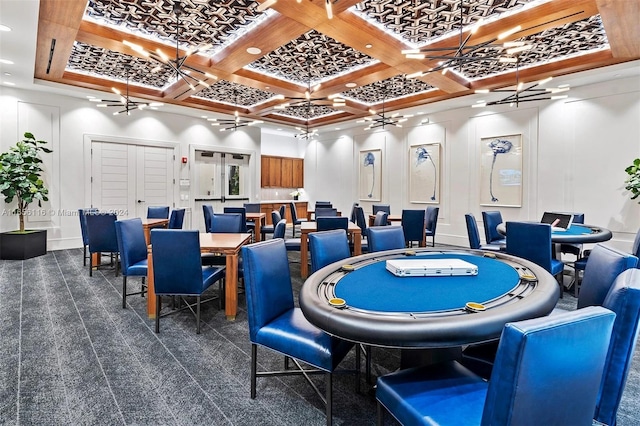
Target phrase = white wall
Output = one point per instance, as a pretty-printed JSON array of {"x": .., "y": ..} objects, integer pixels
[
  {"x": 574, "y": 155},
  {"x": 79, "y": 119}
]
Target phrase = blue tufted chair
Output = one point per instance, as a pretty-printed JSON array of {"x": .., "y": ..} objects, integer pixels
[
  {"x": 243, "y": 212},
  {"x": 207, "y": 210},
  {"x": 490, "y": 221},
  {"x": 83, "y": 230},
  {"x": 101, "y": 231},
  {"x": 276, "y": 323},
  {"x": 158, "y": 212},
  {"x": 385, "y": 238},
  {"x": 178, "y": 271},
  {"x": 381, "y": 208},
  {"x": 327, "y": 247},
  {"x": 294, "y": 217},
  {"x": 381, "y": 219},
  {"x": 431, "y": 221},
  {"x": 624, "y": 300},
  {"x": 176, "y": 219},
  {"x": 474, "y": 235},
  {"x": 413, "y": 225},
  {"x": 133, "y": 254},
  {"x": 532, "y": 241},
  {"x": 527, "y": 385},
  {"x": 604, "y": 265},
  {"x": 292, "y": 244}
]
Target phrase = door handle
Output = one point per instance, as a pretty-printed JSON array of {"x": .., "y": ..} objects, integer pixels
[{"x": 140, "y": 201}]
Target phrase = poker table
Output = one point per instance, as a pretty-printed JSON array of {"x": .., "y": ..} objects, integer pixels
[
  {"x": 382, "y": 309},
  {"x": 577, "y": 233}
]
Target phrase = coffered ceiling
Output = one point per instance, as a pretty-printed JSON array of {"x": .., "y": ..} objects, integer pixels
[{"x": 356, "y": 53}]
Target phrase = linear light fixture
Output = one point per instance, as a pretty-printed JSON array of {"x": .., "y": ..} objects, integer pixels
[
  {"x": 234, "y": 123},
  {"x": 125, "y": 101},
  {"x": 381, "y": 119}
]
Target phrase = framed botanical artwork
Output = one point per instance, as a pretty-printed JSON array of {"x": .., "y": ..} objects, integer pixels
[
  {"x": 424, "y": 173},
  {"x": 370, "y": 172},
  {"x": 501, "y": 171}
]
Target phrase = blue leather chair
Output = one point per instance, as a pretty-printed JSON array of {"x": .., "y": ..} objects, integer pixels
[
  {"x": 326, "y": 204},
  {"x": 133, "y": 254},
  {"x": 431, "y": 222},
  {"x": 327, "y": 247},
  {"x": 101, "y": 231},
  {"x": 325, "y": 212},
  {"x": 252, "y": 207},
  {"x": 526, "y": 386},
  {"x": 269, "y": 229},
  {"x": 295, "y": 220},
  {"x": 604, "y": 265},
  {"x": 158, "y": 212},
  {"x": 243, "y": 212},
  {"x": 176, "y": 219},
  {"x": 328, "y": 223},
  {"x": 292, "y": 244},
  {"x": 381, "y": 219},
  {"x": 635, "y": 247},
  {"x": 381, "y": 208},
  {"x": 362, "y": 224},
  {"x": 624, "y": 300},
  {"x": 227, "y": 223},
  {"x": 277, "y": 324},
  {"x": 207, "y": 210},
  {"x": 532, "y": 241},
  {"x": 385, "y": 238},
  {"x": 178, "y": 270},
  {"x": 83, "y": 231},
  {"x": 413, "y": 225},
  {"x": 352, "y": 215},
  {"x": 490, "y": 221},
  {"x": 474, "y": 235}
]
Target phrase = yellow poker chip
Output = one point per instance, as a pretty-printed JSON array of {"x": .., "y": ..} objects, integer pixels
[
  {"x": 528, "y": 277},
  {"x": 474, "y": 307},
  {"x": 347, "y": 268},
  {"x": 409, "y": 253},
  {"x": 337, "y": 302},
  {"x": 490, "y": 255}
]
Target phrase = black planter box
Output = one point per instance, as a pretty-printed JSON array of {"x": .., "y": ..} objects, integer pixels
[{"x": 19, "y": 246}]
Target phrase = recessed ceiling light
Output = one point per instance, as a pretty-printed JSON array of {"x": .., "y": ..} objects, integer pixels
[
  {"x": 351, "y": 85},
  {"x": 368, "y": 45},
  {"x": 267, "y": 87},
  {"x": 6, "y": 73},
  {"x": 6, "y": 61},
  {"x": 337, "y": 128},
  {"x": 254, "y": 50},
  {"x": 4, "y": 28}
]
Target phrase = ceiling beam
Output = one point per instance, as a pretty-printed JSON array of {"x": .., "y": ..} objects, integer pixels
[{"x": 620, "y": 20}]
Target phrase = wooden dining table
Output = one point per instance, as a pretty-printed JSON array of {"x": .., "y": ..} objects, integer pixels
[
  {"x": 227, "y": 245},
  {"x": 148, "y": 224},
  {"x": 258, "y": 219},
  {"x": 354, "y": 231}
]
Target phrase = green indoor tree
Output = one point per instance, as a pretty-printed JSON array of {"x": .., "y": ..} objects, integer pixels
[
  {"x": 633, "y": 181},
  {"x": 20, "y": 170}
]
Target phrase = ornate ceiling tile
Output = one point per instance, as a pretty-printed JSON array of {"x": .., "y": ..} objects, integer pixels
[
  {"x": 553, "y": 44},
  {"x": 105, "y": 63},
  {"x": 420, "y": 21},
  {"x": 230, "y": 93},
  {"x": 313, "y": 57},
  {"x": 387, "y": 90},
  {"x": 307, "y": 112}
]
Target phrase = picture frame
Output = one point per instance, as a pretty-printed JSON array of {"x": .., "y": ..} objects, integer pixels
[
  {"x": 424, "y": 173},
  {"x": 501, "y": 171},
  {"x": 370, "y": 175}
]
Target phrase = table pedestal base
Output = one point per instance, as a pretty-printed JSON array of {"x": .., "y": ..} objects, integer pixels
[{"x": 418, "y": 357}]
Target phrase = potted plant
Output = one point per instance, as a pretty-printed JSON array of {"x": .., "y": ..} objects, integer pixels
[
  {"x": 633, "y": 181},
  {"x": 20, "y": 170}
]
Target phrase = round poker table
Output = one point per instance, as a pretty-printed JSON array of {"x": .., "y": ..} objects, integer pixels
[
  {"x": 577, "y": 233},
  {"x": 383, "y": 309}
]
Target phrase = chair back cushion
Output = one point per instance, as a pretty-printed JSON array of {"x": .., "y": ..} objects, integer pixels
[
  {"x": 624, "y": 300},
  {"x": 241, "y": 211},
  {"x": 326, "y": 212},
  {"x": 360, "y": 220},
  {"x": 381, "y": 208},
  {"x": 328, "y": 223},
  {"x": 82, "y": 213},
  {"x": 283, "y": 212},
  {"x": 327, "y": 247},
  {"x": 252, "y": 207},
  {"x": 352, "y": 216},
  {"x": 385, "y": 238},
  {"x": 548, "y": 370},
  {"x": 267, "y": 283},
  {"x": 431, "y": 220},
  {"x": 177, "y": 268},
  {"x": 413, "y": 225},
  {"x": 158, "y": 212},
  {"x": 491, "y": 220},
  {"x": 382, "y": 219},
  {"x": 131, "y": 243},
  {"x": 326, "y": 204},
  {"x": 227, "y": 223},
  {"x": 280, "y": 228},
  {"x": 472, "y": 231},
  {"x": 276, "y": 217},
  {"x": 176, "y": 219},
  {"x": 294, "y": 213},
  {"x": 207, "y": 210},
  {"x": 101, "y": 230},
  {"x": 531, "y": 241},
  {"x": 604, "y": 264}
]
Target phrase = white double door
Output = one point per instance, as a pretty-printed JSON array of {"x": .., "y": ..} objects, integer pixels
[{"x": 128, "y": 178}]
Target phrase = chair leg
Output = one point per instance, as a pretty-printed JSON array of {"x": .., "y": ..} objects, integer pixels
[
  {"x": 380, "y": 416},
  {"x": 124, "y": 291},
  {"x": 158, "y": 301},
  {"x": 358, "y": 354},
  {"x": 198, "y": 315},
  {"x": 329, "y": 397},
  {"x": 254, "y": 367},
  {"x": 84, "y": 255},
  {"x": 90, "y": 265}
]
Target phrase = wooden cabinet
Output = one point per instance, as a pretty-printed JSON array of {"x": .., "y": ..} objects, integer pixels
[{"x": 281, "y": 172}]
